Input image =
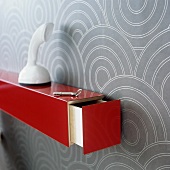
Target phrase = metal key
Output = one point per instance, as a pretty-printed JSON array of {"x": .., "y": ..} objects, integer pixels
[{"x": 68, "y": 93}]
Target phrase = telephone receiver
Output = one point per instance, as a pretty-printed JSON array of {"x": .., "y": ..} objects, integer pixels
[{"x": 32, "y": 73}]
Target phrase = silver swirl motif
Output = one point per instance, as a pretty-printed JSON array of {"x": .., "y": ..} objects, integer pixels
[
  {"x": 153, "y": 65},
  {"x": 17, "y": 151},
  {"x": 19, "y": 142},
  {"x": 37, "y": 13},
  {"x": 14, "y": 42},
  {"x": 8, "y": 53},
  {"x": 14, "y": 53},
  {"x": 151, "y": 158},
  {"x": 68, "y": 155},
  {"x": 130, "y": 21},
  {"x": 146, "y": 121},
  {"x": 43, "y": 150},
  {"x": 7, "y": 124},
  {"x": 14, "y": 22},
  {"x": 142, "y": 132},
  {"x": 118, "y": 161},
  {"x": 63, "y": 59},
  {"x": 139, "y": 21},
  {"x": 43, "y": 160},
  {"x": 100, "y": 49},
  {"x": 22, "y": 45},
  {"x": 2, "y": 13},
  {"x": 79, "y": 16},
  {"x": 77, "y": 166},
  {"x": 136, "y": 11}
]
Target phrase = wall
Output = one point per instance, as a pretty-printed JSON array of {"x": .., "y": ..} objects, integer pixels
[{"x": 119, "y": 48}]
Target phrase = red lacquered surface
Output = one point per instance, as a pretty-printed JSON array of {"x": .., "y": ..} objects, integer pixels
[
  {"x": 37, "y": 107},
  {"x": 101, "y": 126},
  {"x": 12, "y": 78},
  {"x": 42, "y": 112}
]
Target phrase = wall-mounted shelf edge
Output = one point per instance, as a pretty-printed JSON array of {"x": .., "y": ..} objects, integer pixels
[{"x": 61, "y": 117}]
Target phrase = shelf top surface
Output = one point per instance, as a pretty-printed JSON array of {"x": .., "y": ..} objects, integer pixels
[{"x": 12, "y": 78}]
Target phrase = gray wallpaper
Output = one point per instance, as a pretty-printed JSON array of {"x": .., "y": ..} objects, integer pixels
[{"x": 117, "y": 47}]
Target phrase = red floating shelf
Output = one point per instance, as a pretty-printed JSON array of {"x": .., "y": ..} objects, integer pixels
[{"x": 85, "y": 120}]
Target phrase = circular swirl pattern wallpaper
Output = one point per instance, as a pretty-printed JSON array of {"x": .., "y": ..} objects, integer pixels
[{"x": 120, "y": 48}]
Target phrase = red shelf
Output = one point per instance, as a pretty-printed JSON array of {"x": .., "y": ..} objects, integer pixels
[{"x": 37, "y": 107}]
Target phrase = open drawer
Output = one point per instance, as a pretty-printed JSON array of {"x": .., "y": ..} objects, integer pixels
[
  {"x": 85, "y": 120},
  {"x": 95, "y": 125}
]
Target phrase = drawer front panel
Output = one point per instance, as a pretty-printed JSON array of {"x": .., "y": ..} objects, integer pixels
[{"x": 101, "y": 125}]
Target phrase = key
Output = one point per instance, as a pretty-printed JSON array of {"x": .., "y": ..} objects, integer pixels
[{"x": 68, "y": 93}]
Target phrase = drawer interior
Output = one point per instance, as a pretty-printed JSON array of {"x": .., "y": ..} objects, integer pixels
[{"x": 76, "y": 122}]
